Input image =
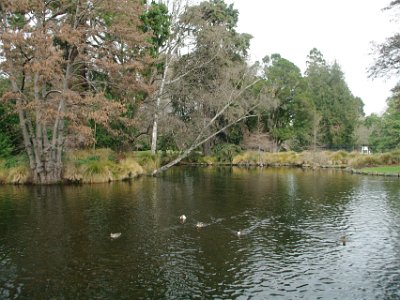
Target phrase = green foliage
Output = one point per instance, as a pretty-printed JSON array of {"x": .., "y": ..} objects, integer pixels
[
  {"x": 194, "y": 157},
  {"x": 218, "y": 13},
  {"x": 334, "y": 102},
  {"x": 16, "y": 20},
  {"x": 234, "y": 134},
  {"x": 14, "y": 162},
  {"x": 6, "y": 146},
  {"x": 88, "y": 159},
  {"x": 93, "y": 167},
  {"x": 385, "y": 135},
  {"x": 290, "y": 118},
  {"x": 226, "y": 152},
  {"x": 168, "y": 156},
  {"x": 9, "y": 134},
  {"x": 157, "y": 21},
  {"x": 166, "y": 142}
]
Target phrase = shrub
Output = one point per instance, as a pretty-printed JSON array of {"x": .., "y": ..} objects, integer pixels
[
  {"x": 168, "y": 156},
  {"x": 194, "y": 157},
  {"x": 6, "y": 147},
  {"x": 226, "y": 152}
]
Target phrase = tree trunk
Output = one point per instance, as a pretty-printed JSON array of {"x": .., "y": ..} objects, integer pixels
[
  {"x": 198, "y": 142},
  {"x": 160, "y": 92}
]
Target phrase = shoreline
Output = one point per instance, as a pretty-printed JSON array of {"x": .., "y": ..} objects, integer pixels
[{"x": 105, "y": 165}]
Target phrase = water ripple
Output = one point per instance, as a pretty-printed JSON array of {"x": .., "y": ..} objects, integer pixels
[{"x": 304, "y": 235}]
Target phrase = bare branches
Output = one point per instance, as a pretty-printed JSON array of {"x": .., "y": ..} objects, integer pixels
[{"x": 387, "y": 62}]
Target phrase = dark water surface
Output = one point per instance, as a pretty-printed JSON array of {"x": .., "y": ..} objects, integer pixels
[{"x": 55, "y": 241}]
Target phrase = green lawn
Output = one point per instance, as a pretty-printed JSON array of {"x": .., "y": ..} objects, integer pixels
[{"x": 383, "y": 169}]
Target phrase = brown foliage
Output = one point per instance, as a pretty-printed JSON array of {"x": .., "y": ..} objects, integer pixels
[{"x": 64, "y": 58}]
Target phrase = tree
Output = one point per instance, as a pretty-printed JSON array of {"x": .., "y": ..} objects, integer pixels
[
  {"x": 165, "y": 39},
  {"x": 289, "y": 119},
  {"x": 63, "y": 59},
  {"x": 211, "y": 97},
  {"x": 217, "y": 52},
  {"x": 338, "y": 108},
  {"x": 387, "y": 60},
  {"x": 386, "y": 129},
  {"x": 385, "y": 135},
  {"x": 233, "y": 102}
]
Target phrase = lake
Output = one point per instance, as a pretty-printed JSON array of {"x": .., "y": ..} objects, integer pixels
[{"x": 304, "y": 234}]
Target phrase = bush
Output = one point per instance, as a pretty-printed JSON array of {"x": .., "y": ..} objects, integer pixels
[
  {"x": 226, "y": 152},
  {"x": 6, "y": 147},
  {"x": 14, "y": 162},
  {"x": 194, "y": 157},
  {"x": 168, "y": 156}
]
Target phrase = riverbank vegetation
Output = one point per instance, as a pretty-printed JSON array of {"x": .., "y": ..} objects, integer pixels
[
  {"x": 160, "y": 83},
  {"x": 105, "y": 165}
]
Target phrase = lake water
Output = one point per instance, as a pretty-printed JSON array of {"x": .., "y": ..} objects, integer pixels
[{"x": 55, "y": 240}]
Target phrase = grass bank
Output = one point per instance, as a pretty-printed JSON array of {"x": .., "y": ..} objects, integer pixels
[
  {"x": 393, "y": 171},
  {"x": 84, "y": 166},
  {"x": 337, "y": 159},
  {"x": 105, "y": 165}
]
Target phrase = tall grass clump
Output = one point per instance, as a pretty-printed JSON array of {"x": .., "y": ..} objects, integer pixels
[
  {"x": 315, "y": 158},
  {"x": 284, "y": 158},
  {"x": 128, "y": 168},
  {"x": 339, "y": 158},
  {"x": 247, "y": 158},
  {"x": 96, "y": 166},
  {"x": 15, "y": 169},
  {"x": 390, "y": 158},
  {"x": 147, "y": 160},
  {"x": 369, "y": 160}
]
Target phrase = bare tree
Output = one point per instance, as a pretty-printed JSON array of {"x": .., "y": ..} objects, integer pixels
[{"x": 232, "y": 101}]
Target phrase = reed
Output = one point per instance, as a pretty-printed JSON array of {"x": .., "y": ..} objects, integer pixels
[
  {"x": 97, "y": 166},
  {"x": 147, "y": 160},
  {"x": 15, "y": 170}
]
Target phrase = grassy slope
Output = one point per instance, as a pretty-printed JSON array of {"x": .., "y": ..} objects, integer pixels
[{"x": 382, "y": 169}]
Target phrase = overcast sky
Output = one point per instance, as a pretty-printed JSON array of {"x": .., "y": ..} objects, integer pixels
[{"x": 341, "y": 29}]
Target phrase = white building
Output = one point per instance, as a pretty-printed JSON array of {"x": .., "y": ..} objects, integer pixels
[{"x": 365, "y": 150}]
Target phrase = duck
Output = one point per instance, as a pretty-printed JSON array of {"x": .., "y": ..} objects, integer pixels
[
  {"x": 239, "y": 233},
  {"x": 343, "y": 240},
  {"x": 200, "y": 225},
  {"x": 182, "y": 218},
  {"x": 115, "y": 235}
]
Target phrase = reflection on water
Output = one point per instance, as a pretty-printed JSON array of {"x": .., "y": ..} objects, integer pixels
[{"x": 55, "y": 241}]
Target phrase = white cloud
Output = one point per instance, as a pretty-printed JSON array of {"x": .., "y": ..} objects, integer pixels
[{"x": 342, "y": 30}]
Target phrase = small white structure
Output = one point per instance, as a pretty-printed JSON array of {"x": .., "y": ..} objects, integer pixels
[{"x": 365, "y": 150}]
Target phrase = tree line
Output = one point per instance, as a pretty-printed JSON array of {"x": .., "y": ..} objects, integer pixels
[{"x": 155, "y": 75}]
